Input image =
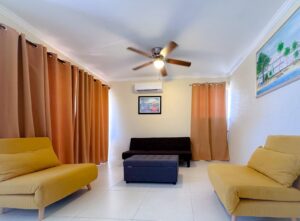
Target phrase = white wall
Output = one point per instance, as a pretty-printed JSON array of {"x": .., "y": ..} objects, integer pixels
[
  {"x": 125, "y": 122},
  {"x": 253, "y": 119}
]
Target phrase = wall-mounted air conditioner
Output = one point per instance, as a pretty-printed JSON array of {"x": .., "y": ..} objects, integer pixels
[{"x": 148, "y": 87}]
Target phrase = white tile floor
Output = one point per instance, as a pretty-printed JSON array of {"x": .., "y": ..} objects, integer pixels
[{"x": 111, "y": 199}]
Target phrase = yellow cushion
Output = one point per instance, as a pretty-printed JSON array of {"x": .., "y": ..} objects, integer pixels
[
  {"x": 13, "y": 165},
  {"x": 284, "y": 144},
  {"x": 19, "y": 145},
  {"x": 281, "y": 167},
  {"x": 51, "y": 184},
  {"x": 234, "y": 182}
]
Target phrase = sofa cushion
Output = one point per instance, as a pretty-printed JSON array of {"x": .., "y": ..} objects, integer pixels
[
  {"x": 159, "y": 152},
  {"x": 285, "y": 144},
  {"x": 281, "y": 167},
  {"x": 20, "y": 145},
  {"x": 232, "y": 182},
  {"x": 13, "y": 165},
  {"x": 160, "y": 143},
  {"x": 51, "y": 184}
]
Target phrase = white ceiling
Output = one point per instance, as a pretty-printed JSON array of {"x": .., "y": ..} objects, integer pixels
[{"x": 213, "y": 34}]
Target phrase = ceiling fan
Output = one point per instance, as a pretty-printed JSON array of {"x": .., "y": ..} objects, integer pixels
[{"x": 159, "y": 58}]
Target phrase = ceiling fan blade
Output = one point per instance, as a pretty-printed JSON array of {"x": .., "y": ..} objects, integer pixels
[
  {"x": 143, "y": 65},
  {"x": 148, "y": 55},
  {"x": 163, "y": 71},
  {"x": 178, "y": 62},
  {"x": 168, "y": 48}
]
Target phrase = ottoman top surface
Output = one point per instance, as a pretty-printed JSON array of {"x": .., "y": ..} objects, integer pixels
[{"x": 152, "y": 160}]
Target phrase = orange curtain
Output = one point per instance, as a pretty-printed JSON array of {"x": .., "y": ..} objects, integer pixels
[
  {"x": 104, "y": 123},
  {"x": 82, "y": 118},
  {"x": 61, "y": 106},
  {"x": 96, "y": 144},
  {"x": 91, "y": 118},
  {"x": 208, "y": 123},
  {"x": 39, "y": 87},
  {"x": 24, "y": 103},
  {"x": 42, "y": 95}
]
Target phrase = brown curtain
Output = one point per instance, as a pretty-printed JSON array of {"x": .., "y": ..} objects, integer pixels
[
  {"x": 42, "y": 95},
  {"x": 104, "y": 124},
  {"x": 82, "y": 118},
  {"x": 24, "y": 103},
  {"x": 37, "y": 61},
  {"x": 208, "y": 123},
  {"x": 61, "y": 106},
  {"x": 96, "y": 144},
  {"x": 90, "y": 118}
]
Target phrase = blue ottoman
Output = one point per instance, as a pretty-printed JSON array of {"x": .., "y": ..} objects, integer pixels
[{"x": 151, "y": 168}]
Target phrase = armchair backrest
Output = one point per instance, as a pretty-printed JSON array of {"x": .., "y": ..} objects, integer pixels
[
  {"x": 18, "y": 145},
  {"x": 284, "y": 144}
]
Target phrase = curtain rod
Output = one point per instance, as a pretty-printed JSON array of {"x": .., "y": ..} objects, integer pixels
[
  {"x": 31, "y": 43},
  {"x": 102, "y": 84},
  {"x": 207, "y": 83},
  {"x": 62, "y": 61}
]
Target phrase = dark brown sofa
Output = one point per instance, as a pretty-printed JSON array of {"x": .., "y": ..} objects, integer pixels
[{"x": 180, "y": 146}]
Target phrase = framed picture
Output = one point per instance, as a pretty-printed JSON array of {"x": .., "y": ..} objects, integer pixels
[
  {"x": 149, "y": 104},
  {"x": 278, "y": 61}
]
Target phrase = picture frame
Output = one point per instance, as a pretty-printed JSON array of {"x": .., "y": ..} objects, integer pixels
[
  {"x": 149, "y": 105},
  {"x": 278, "y": 60}
]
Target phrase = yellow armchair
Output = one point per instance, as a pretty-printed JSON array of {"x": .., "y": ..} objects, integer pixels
[
  {"x": 33, "y": 178},
  {"x": 256, "y": 191}
]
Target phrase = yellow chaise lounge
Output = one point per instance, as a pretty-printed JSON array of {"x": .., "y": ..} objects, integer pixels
[
  {"x": 31, "y": 177},
  {"x": 266, "y": 187}
]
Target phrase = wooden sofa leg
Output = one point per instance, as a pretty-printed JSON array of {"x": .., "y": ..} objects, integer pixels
[
  {"x": 41, "y": 214},
  {"x": 89, "y": 187},
  {"x": 233, "y": 218},
  {"x": 1, "y": 210}
]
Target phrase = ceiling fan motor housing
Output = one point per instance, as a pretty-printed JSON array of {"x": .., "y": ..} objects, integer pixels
[{"x": 156, "y": 52}]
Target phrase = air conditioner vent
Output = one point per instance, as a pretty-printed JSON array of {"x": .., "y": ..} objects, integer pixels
[{"x": 148, "y": 87}]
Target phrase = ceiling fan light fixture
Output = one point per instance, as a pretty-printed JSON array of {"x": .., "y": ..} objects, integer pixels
[{"x": 159, "y": 63}]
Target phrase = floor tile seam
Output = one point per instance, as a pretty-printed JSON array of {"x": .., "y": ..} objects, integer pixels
[
  {"x": 100, "y": 217},
  {"x": 60, "y": 216},
  {"x": 125, "y": 190},
  {"x": 192, "y": 206},
  {"x": 141, "y": 203}
]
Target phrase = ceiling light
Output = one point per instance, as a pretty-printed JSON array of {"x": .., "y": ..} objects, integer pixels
[{"x": 159, "y": 63}]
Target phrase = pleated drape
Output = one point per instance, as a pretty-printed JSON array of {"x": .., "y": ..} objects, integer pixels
[
  {"x": 91, "y": 122},
  {"x": 9, "y": 81},
  {"x": 37, "y": 62},
  {"x": 24, "y": 87},
  {"x": 42, "y": 95},
  {"x": 60, "y": 85},
  {"x": 208, "y": 123},
  {"x": 104, "y": 124},
  {"x": 96, "y": 144}
]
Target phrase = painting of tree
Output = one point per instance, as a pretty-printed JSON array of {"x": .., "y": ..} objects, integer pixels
[{"x": 278, "y": 60}]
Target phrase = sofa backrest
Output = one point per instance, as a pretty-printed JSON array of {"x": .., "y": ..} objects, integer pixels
[
  {"x": 284, "y": 144},
  {"x": 18, "y": 145},
  {"x": 160, "y": 143}
]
